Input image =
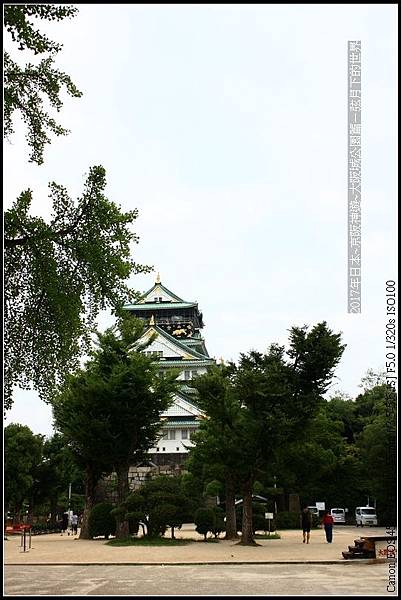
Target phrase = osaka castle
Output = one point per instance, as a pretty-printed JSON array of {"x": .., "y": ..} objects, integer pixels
[{"x": 176, "y": 325}]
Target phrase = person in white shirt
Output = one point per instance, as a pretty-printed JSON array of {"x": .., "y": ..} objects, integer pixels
[{"x": 74, "y": 524}]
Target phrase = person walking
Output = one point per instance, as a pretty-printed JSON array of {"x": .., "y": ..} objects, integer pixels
[
  {"x": 64, "y": 522},
  {"x": 327, "y": 523},
  {"x": 74, "y": 524},
  {"x": 306, "y": 524}
]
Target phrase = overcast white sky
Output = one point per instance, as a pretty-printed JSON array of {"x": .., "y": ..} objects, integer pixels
[{"x": 226, "y": 126}]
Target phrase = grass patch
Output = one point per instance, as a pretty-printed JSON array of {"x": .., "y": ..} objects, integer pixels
[
  {"x": 267, "y": 536},
  {"x": 144, "y": 541}
]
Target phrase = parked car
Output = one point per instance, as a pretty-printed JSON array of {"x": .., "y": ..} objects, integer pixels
[
  {"x": 338, "y": 515},
  {"x": 365, "y": 515},
  {"x": 314, "y": 510}
]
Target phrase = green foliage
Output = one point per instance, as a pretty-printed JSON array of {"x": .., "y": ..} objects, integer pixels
[
  {"x": 346, "y": 453},
  {"x": 159, "y": 503},
  {"x": 28, "y": 88},
  {"x": 218, "y": 521},
  {"x": 262, "y": 404},
  {"x": 110, "y": 411},
  {"x": 377, "y": 446},
  {"x": 22, "y": 455},
  {"x": 287, "y": 520},
  {"x": 45, "y": 528},
  {"x": 204, "y": 519},
  {"x": 146, "y": 541},
  {"x": 58, "y": 276},
  {"x": 53, "y": 476},
  {"x": 101, "y": 521}
]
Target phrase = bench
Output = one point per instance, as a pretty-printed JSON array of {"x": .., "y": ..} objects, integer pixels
[{"x": 17, "y": 528}]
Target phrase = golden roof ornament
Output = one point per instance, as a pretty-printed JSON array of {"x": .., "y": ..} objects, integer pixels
[
  {"x": 152, "y": 320},
  {"x": 158, "y": 278}
]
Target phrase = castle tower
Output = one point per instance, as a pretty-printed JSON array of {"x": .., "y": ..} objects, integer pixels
[{"x": 176, "y": 325}]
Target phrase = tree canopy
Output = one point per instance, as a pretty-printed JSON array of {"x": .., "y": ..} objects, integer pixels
[
  {"x": 259, "y": 405},
  {"x": 28, "y": 88},
  {"x": 22, "y": 454},
  {"x": 58, "y": 276},
  {"x": 61, "y": 271},
  {"x": 109, "y": 411}
]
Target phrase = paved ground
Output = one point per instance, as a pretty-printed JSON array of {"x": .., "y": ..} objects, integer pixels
[
  {"x": 127, "y": 580},
  {"x": 66, "y": 566},
  {"x": 57, "y": 549}
]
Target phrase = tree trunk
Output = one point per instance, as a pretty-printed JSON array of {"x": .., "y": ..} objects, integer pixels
[
  {"x": 122, "y": 529},
  {"x": 172, "y": 533},
  {"x": 90, "y": 485},
  {"x": 231, "y": 519},
  {"x": 247, "y": 528}
]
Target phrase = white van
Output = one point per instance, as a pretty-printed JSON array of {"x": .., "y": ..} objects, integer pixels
[
  {"x": 314, "y": 510},
  {"x": 365, "y": 515},
  {"x": 338, "y": 515}
]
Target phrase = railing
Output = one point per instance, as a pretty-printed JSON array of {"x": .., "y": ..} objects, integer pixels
[{"x": 173, "y": 321}]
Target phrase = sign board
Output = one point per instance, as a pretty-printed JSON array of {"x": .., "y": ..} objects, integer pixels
[
  {"x": 320, "y": 505},
  {"x": 269, "y": 515}
]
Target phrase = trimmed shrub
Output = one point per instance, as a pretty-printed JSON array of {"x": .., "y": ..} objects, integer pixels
[
  {"x": 101, "y": 522},
  {"x": 204, "y": 520},
  {"x": 218, "y": 526}
]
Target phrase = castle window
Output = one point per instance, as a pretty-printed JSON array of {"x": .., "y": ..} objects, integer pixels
[
  {"x": 172, "y": 434},
  {"x": 187, "y": 375},
  {"x": 165, "y": 435},
  {"x": 184, "y": 434}
]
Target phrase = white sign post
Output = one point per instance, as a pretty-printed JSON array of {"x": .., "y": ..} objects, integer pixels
[
  {"x": 269, "y": 516},
  {"x": 321, "y": 505}
]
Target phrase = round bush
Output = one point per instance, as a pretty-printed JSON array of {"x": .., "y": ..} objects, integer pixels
[
  {"x": 101, "y": 522},
  {"x": 204, "y": 520}
]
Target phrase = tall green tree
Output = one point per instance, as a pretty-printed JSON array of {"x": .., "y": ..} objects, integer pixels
[
  {"x": 58, "y": 276},
  {"x": 29, "y": 88},
  {"x": 217, "y": 450},
  {"x": 52, "y": 477},
  {"x": 59, "y": 272},
  {"x": 272, "y": 398},
  {"x": 110, "y": 411},
  {"x": 279, "y": 396},
  {"x": 22, "y": 455},
  {"x": 377, "y": 444}
]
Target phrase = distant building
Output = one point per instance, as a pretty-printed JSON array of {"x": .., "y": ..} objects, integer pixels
[{"x": 178, "y": 343}]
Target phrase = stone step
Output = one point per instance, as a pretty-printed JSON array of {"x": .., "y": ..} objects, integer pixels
[{"x": 350, "y": 555}]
